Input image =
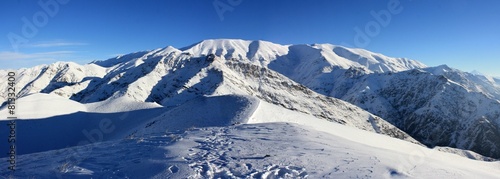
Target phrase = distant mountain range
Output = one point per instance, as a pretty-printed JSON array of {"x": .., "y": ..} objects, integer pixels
[{"x": 397, "y": 97}]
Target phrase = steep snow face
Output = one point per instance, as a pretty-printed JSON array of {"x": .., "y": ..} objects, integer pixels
[{"x": 259, "y": 52}]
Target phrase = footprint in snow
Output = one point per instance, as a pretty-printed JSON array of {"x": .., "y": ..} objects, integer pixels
[
  {"x": 173, "y": 169},
  {"x": 275, "y": 171}
]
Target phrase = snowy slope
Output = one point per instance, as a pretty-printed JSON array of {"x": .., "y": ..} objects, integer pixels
[
  {"x": 42, "y": 105},
  {"x": 300, "y": 146}
]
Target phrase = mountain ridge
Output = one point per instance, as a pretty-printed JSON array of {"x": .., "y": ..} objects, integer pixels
[{"x": 349, "y": 86}]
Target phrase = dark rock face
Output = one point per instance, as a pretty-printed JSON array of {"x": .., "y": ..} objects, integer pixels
[{"x": 452, "y": 109}]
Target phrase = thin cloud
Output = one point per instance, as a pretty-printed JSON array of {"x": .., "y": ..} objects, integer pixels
[
  {"x": 56, "y": 44},
  {"x": 8, "y": 55}
]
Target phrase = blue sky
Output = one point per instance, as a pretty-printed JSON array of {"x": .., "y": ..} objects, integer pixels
[{"x": 461, "y": 33}]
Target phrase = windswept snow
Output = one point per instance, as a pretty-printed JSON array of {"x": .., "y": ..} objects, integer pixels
[
  {"x": 42, "y": 105},
  {"x": 200, "y": 112},
  {"x": 256, "y": 51},
  {"x": 264, "y": 149}
]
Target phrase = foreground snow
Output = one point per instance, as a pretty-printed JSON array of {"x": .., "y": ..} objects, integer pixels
[
  {"x": 229, "y": 137},
  {"x": 267, "y": 150}
]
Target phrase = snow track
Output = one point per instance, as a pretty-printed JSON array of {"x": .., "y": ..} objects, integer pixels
[
  {"x": 284, "y": 150},
  {"x": 266, "y": 150},
  {"x": 225, "y": 153}
]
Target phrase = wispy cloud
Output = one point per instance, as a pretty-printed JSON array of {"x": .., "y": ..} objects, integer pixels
[
  {"x": 41, "y": 52},
  {"x": 9, "y": 55},
  {"x": 57, "y": 44}
]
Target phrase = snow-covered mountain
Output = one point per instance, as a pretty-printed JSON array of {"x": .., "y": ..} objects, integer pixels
[
  {"x": 146, "y": 93},
  {"x": 170, "y": 77},
  {"x": 295, "y": 61},
  {"x": 439, "y": 106}
]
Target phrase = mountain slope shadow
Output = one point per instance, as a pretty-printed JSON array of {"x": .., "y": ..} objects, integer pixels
[
  {"x": 106, "y": 87},
  {"x": 54, "y": 85},
  {"x": 174, "y": 85},
  {"x": 72, "y": 130},
  {"x": 25, "y": 90}
]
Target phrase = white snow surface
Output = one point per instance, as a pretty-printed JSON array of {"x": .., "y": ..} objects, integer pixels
[
  {"x": 303, "y": 56},
  {"x": 40, "y": 105},
  {"x": 248, "y": 139}
]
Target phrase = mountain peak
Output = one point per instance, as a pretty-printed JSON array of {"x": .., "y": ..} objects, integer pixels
[
  {"x": 439, "y": 70},
  {"x": 216, "y": 42},
  {"x": 256, "y": 50},
  {"x": 266, "y": 53},
  {"x": 476, "y": 72}
]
